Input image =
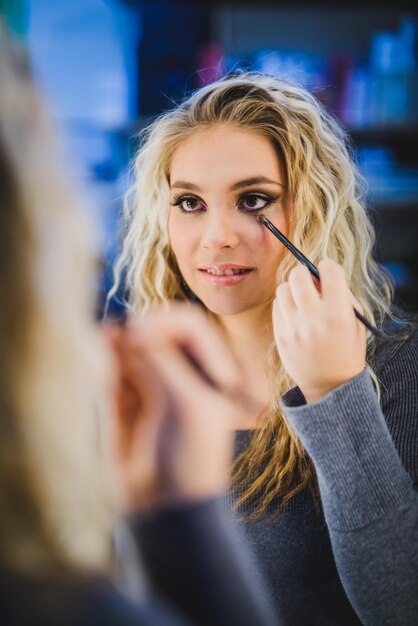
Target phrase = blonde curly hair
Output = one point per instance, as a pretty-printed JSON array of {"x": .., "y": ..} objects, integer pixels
[{"x": 328, "y": 220}]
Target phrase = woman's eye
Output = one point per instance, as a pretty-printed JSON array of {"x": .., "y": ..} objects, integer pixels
[
  {"x": 253, "y": 202},
  {"x": 188, "y": 204}
]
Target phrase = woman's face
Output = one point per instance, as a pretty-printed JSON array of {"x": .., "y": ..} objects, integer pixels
[{"x": 220, "y": 180}]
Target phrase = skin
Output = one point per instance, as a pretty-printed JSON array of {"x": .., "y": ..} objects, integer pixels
[
  {"x": 214, "y": 161},
  {"x": 167, "y": 435},
  {"x": 221, "y": 232},
  {"x": 321, "y": 343},
  {"x": 170, "y": 432},
  {"x": 169, "y": 419}
]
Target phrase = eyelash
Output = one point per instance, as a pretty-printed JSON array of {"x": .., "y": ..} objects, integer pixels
[{"x": 269, "y": 199}]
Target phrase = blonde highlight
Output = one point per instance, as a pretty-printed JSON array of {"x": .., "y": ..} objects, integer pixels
[{"x": 328, "y": 220}]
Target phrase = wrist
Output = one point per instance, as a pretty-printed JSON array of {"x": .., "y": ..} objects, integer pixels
[
  {"x": 316, "y": 395},
  {"x": 318, "y": 392}
]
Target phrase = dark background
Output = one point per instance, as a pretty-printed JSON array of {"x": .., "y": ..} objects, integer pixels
[{"x": 107, "y": 67}]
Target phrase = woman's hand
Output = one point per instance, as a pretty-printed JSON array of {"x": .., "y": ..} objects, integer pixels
[
  {"x": 175, "y": 400},
  {"x": 320, "y": 341}
]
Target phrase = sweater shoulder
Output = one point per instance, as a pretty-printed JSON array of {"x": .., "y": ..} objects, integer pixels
[{"x": 397, "y": 351}]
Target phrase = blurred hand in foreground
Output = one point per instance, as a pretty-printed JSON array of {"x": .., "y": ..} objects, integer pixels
[{"x": 176, "y": 396}]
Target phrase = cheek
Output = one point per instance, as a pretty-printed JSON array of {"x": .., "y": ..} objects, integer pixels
[
  {"x": 261, "y": 241},
  {"x": 273, "y": 250},
  {"x": 181, "y": 240},
  {"x": 251, "y": 232}
]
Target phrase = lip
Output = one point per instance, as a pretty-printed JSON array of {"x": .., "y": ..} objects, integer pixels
[
  {"x": 225, "y": 281},
  {"x": 224, "y": 266}
]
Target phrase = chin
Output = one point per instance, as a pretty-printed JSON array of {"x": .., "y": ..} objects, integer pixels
[{"x": 225, "y": 305}]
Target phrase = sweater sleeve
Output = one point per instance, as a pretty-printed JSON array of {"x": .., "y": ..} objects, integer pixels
[
  {"x": 368, "y": 494},
  {"x": 195, "y": 561}
]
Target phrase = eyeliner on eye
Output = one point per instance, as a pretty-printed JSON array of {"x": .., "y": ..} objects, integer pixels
[
  {"x": 266, "y": 198},
  {"x": 177, "y": 200},
  {"x": 181, "y": 198}
]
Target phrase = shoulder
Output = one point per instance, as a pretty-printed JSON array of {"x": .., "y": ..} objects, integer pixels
[{"x": 397, "y": 351}]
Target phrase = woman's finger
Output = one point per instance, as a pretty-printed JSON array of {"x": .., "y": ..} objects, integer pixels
[
  {"x": 286, "y": 303},
  {"x": 279, "y": 323},
  {"x": 186, "y": 328},
  {"x": 189, "y": 385},
  {"x": 304, "y": 293},
  {"x": 335, "y": 291},
  {"x": 179, "y": 374}
]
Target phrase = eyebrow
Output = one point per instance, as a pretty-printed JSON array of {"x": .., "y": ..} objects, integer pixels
[{"x": 247, "y": 182}]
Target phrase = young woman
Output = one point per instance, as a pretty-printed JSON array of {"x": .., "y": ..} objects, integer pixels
[
  {"x": 55, "y": 510},
  {"x": 324, "y": 475}
]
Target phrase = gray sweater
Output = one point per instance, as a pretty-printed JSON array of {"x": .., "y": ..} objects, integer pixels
[{"x": 353, "y": 559}]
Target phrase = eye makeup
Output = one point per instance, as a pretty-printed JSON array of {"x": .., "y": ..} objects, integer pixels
[
  {"x": 178, "y": 201},
  {"x": 262, "y": 219},
  {"x": 248, "y": 197},
  {"x": 266, "y": 198}
]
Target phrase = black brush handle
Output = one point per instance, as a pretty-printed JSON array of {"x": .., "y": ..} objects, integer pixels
[{"x": 311, "y": 267}]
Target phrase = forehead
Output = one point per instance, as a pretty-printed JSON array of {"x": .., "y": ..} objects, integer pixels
[{"x": 224, "y": 154}]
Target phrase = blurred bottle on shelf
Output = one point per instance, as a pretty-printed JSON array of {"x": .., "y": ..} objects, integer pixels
[
  {"x": 392, "y": 65},
  {"x": 383, "y": 90},
  {"x": 389, "y": 184},
  {"x": 210, "y": 63},
  {"x": 301, "y": 67},
  {"x": 356, "y": 111}
]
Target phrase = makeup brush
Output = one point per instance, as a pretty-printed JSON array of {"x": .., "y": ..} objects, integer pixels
[{"x": 311, "y": 267}]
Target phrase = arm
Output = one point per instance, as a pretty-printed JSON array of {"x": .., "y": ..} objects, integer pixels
[
  {"x": 369, "y": 499},
  {"x": 194, "y": 560},
  {"x": 370, "y": 504}
]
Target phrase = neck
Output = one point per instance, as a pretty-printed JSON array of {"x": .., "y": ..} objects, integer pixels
[{"x": 249, "y": 335}]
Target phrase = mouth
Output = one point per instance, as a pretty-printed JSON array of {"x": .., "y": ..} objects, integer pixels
[{"x": 225, "y": 274}]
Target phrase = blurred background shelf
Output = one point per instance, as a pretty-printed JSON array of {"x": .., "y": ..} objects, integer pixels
[{"x": 108, "y": 67}]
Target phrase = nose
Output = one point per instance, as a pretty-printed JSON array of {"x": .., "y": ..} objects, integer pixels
[{"x": 220, "y": 231}]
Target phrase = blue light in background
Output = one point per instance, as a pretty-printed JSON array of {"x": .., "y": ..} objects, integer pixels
[
  {"x": 84, "y": 58},
  {"x": 90, "y": 59}
]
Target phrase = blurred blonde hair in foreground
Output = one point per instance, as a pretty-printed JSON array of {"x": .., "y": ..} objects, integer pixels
[{"x": 53, "y": 364}]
